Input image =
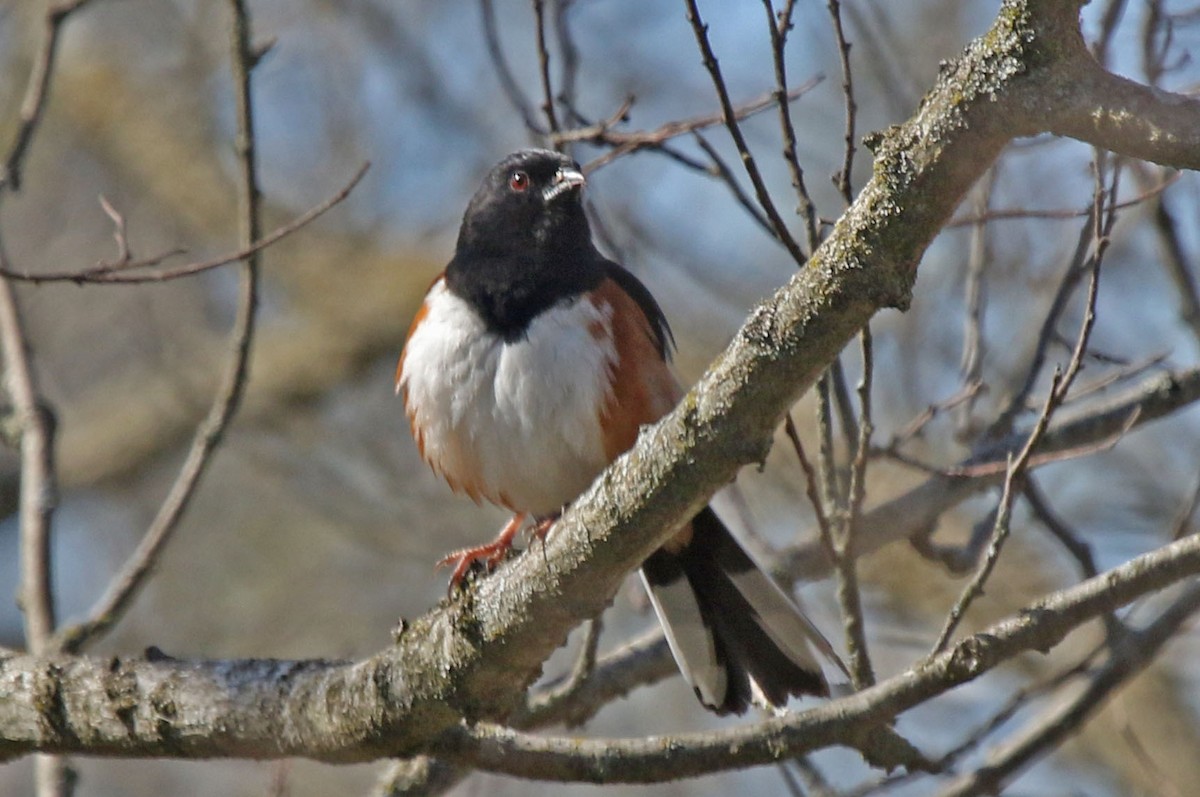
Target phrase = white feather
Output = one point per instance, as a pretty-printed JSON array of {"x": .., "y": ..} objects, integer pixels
[
  {"x": 523, "y": 415},
  {"x": 689, "y": 637}
]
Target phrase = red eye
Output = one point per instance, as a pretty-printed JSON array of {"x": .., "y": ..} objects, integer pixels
[{"x": 518, "y": 181}]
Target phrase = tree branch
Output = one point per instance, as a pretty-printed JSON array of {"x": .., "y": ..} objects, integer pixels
[
  {"x": 126, "y": 272},
  {"x": 1114, "y": 113},
  {"x": 126, "y": 585},
  {"x": 394, "y": 703},
  {"x": 473, "y": 657},
  {"x": 37, "y": 92},
  {"x": 844, "y": 721},
  {"x": 1134, "y": 653},
  {"x": 917, "y": 510}
]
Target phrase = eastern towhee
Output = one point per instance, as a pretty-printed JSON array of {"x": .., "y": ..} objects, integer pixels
[{"x": 530, "y": 366}]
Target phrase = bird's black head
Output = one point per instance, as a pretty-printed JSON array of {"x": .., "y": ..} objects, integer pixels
[
  {"x": 529, "y": 202},
  {"x": 524, "y": 244}
]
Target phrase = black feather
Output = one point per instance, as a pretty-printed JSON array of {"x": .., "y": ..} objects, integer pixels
[
  {"x": 663, "y": 337},
  {"x": 742, "y": 638}
]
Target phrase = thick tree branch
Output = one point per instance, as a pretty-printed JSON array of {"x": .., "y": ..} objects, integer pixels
[
  {"x": 641, "y": 662},
  {"x": 844, "y": 721},
  {"x": 346, "y": 712},
  {"x": 1114, "y": 113},
  {"x": 473, "y": 657}
]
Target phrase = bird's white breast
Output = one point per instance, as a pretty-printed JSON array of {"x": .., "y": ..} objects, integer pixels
[{"x": 516, "y": 422}]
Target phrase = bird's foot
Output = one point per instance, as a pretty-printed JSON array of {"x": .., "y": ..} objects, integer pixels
[
  {"x": 491, "y": 554},
  {"x": 542, "y": 528}
]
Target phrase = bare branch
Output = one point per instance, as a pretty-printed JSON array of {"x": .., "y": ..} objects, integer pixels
[
  {"x": 117, "y": 273},
  {"x": 1104, "y": 218},
  {"x": 129, "y": 581},
  {"x": 37, "y": 92},
  {"x": 918, "y": 509},
  {"x": 539, "y": 14},
  {"x": 1132, "y": 656},
  {"x": 1131, "y": 119},
  {"x": 974, "y": 346},
  {"x": 656, "y": 759},
  {"x": 1001, "y": 525},
  {"x": 552, "y": 700},
  {"x": 848, "y": 591},
  {"x": 842, "y": 178},
  {"x": 269, "y": 708},
  {"x": 39, "y": 492},
  {"x": 779, "y": 28},
  {"x": 760, "y": 188},
  {"x": 1024, "y": 214},
  {"x": 1075, "y": 270},
  {"x": 38, "y": 499},
  {"x": 604, "y": 134},
  {"x": 508, "y": 83}
]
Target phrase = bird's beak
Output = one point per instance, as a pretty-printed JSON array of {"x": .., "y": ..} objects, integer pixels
[{"x": 565, "y": 179}]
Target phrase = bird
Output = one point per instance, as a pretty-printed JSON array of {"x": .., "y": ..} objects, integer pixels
[{"x": 531, "y": 364}]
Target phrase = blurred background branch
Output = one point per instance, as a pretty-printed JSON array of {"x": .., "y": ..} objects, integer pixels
[{"x": 315, "y": 491}]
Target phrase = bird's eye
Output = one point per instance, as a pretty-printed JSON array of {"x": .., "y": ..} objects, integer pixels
[{"x": 518, "y": 181}]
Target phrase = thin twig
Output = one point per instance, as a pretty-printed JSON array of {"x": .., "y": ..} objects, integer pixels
[
  {"x": 826, "y": 461},
  {"x": 568, "y": 51},
  {"x": 813, "y": 488},
  {"x": 1074, "y": 272},
  {"x": 549, "y": 701},
  {"x": 209, "y": 434},
  {"x": 849, "y": 595},
  {"x": 626, "y": 143},
  {"x": 119, "y": 233},
  {"x": 37, "y": 91},
  {"x": 894, "y": 72},
  {"x": 54, "y": 777},
  {"x": 1137, "y": 650},
  {"x": 1024, "y": 214},
  {"x": 539, "y": 15},
  {"x": 1104, "y": 219},
  {"x": 1128, "y": 371},
  {"x": 779, "y": 28},
  {"x": 1109, "y": 19},
  {"x": 1181, "y": 524},
  {"x": 508, "y": 83},
  {"x": 845, "y": 405},
  {"x": 735, "y": 131},
  {"x": 39, "y": 492},
  {"x": 916, "y": 426},
  {"x": 974, "y": 346},
  {"x": 106, "y": 273},
  {"x": 1001, "y": 527},
  {"x": 842, "y": 178}
]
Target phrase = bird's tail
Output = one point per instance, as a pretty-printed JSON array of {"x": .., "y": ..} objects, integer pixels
[{"x": 736, "y": 636}]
